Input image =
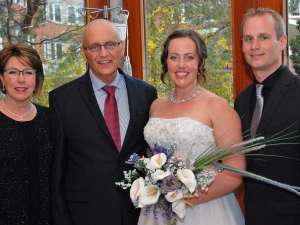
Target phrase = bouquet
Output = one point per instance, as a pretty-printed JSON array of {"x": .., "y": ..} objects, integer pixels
[
  {"x": 164, "y": 181},
  {"x": 164, "y": 174}
]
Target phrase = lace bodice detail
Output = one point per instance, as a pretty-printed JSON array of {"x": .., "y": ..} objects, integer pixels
[{"x": 190, "y": 136}]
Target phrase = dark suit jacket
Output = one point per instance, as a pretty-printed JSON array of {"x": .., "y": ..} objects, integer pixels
[
  {"x": 265, "y": 204},
  {"x": 86, "y": 162}
]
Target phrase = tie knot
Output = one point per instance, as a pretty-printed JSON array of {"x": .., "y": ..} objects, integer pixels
[
  {"x": 259, "y": 88},
  {"x": 109, "y": 89}
]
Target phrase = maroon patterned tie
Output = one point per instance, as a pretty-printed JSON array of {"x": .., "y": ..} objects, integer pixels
[{"x": 111, "y": 115}]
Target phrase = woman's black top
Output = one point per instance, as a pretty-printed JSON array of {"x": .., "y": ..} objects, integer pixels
[{"x": 25, "y": 158}]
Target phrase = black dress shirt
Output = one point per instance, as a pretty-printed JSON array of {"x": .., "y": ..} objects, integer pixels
[{"x": 268, "y": 83}]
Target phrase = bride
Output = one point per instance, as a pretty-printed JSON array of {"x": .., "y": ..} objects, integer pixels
[{"x": 194, "y": 118}]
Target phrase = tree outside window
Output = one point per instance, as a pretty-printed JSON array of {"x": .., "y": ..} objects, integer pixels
[
  {"x": 44, "y": 25},
  {"x": 211, "y": 18},
  {"x": 294, "y": 35}
]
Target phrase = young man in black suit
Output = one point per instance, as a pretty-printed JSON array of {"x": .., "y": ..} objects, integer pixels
[
  {"x": 276, "y": 110},
  {"x": 94, "y": 136}
]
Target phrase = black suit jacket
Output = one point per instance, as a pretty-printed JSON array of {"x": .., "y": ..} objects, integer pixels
[
  {"x": 265, "y": 204},
  {"x": 86, "y": 162}
]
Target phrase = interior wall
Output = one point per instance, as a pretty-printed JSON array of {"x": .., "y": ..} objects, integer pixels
[{"x": 242, "y": 75}]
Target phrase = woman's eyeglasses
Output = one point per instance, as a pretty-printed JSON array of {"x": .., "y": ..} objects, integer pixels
[{"x": 16, "y": 72}]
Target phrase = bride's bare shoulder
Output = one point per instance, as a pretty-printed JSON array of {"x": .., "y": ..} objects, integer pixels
[
  {"x": 214, "y": 100},
  {"x": 158, "y": 104},
  {"x": 219, "y": 108},
  {"x": 216, "y": 105}
]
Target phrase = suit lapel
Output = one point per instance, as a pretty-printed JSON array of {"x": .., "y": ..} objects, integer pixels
[
  {"x": 248, "y": 116},
  {"x": 87, "y": 93},
  {"x": 88, "y": 96},
  {"x": 244, "y": 110},
  {"x": 132, "y": 101},
  {"x": 277, "y": 94}
]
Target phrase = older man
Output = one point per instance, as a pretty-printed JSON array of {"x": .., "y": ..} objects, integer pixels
[{"x": 98, "y": 122}]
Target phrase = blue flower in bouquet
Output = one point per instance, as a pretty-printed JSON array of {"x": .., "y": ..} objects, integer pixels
[
  {"x": 164, "y": 177},
  {"x": 163, "y": 181},
  {"x": 133, "y": 159},
  {"x": 136, "y": 161},
  {"x": 169, "y": 152}
]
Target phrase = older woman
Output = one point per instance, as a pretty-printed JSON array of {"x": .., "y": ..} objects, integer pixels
[{"x": 25, "y": 147}]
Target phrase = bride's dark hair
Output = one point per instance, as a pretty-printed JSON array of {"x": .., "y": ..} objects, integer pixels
[{"x": 200, "y": 47}]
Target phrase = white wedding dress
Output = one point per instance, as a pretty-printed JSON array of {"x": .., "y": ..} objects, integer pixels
[{"x": 191, "y": 137}]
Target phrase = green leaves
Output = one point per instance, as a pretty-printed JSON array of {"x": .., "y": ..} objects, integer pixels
[{"x": 212, "y": 19}]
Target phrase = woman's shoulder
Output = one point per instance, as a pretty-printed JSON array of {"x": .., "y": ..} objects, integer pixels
[
  {"x": 7, "y": 123},
  {"x": 41, "y": 108},
  {"x": 218, "y": 106},
  {"x": 223, "y": 117},
  {"x": 213, "y": 100},
  {"x": 43, "y": 113},
  {"x": 158, "y": 103},
  {"x": 161, "y": 100}
]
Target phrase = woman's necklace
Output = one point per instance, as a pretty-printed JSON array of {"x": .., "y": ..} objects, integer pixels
[
  {"x": 18, "y": 116},
  {"x": 172, "y": 97}
]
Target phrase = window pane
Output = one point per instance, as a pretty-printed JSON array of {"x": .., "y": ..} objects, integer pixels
[
  {"x": 294, "y": 35},
  {"x": 50, "y": 33},
  {"x": 211, "y": 18},
  {"x": 57, "y": 13},
  {"x": 72, "y": 16}
]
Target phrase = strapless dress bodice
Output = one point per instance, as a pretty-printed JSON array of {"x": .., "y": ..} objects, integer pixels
[{"x": 191, "y": 137}]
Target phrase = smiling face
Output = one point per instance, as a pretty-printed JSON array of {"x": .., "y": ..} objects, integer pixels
[
  {"x": 182, "y": 62},
  {"x": 262, "y": 48},
  {"x": 103, "y": 62},
  {"x": 18, "y": 88}
]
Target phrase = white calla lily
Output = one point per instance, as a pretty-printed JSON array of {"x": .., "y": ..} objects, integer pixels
[
  {"x": 160, "y": 174},
  {"x": 179, "y": 208},
  {"x": 149, "y": 195},
  {"x": 187, "y": 177},
  {"x": 136, "y": 189},
  {"x": 156, "y": 161},
  {"x": 174, "y": 196}
]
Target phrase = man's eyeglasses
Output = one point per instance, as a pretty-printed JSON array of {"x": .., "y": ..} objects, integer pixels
[
  {"x": 15, "y": 72},
  {"x": 110, "y": 45}
]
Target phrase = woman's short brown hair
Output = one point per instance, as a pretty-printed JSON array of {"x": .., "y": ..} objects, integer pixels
[{"x": 26, "y": 54}]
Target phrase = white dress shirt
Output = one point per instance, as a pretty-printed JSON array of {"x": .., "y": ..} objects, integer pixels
[{"x": 121, "y": 98}]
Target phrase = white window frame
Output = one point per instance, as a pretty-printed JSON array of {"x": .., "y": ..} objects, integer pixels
[
  {"x": 51, "y": 12},
  {"x": 51, "y": 50}
]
